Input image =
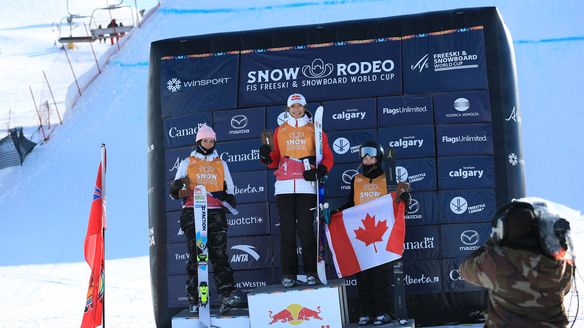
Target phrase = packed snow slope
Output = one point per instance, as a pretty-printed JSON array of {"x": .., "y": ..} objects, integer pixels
[{"x": 44, "y": 204}]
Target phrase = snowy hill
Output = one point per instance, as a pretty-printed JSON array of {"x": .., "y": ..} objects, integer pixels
[{"x": 44, "y": 204}]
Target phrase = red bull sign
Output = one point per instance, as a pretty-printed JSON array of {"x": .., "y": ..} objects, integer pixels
[
  {"x": 324, "y": 306},
  {"x": 294, "y": 314}
]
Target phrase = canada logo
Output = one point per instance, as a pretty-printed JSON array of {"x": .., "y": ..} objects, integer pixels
[{"x": 295, "y": 314}]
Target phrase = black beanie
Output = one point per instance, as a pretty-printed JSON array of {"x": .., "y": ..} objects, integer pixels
[{"x": 519, "y": 228}]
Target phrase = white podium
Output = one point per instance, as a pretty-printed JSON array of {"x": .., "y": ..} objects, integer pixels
[
  {"x": 237, "y": 318},
  {"x": 321, "y": 306}
]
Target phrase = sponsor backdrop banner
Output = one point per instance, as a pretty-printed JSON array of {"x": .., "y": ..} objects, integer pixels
[
  {"x": 239, "y": 124},
  {"x": 241, "y": 155},
  {"x": 406, "y": 110},
  {"x": 451, "y": 278},
  {"x": 423, "y": 276},
  {"x": 349, "y": 114},
  {"x": 253, "y": 219},
  {"x": 468, "y": 172},
  {"x": 409, "y": 141},
  {"x": 419, "y": 172},
  {"x": 423, "y": 209},
  {"x": 181, "y": 131},
  {"x": 250, "y": 187},
  {"x": 459, "y": 206},
  {"x": 459, "y": 240},
  {"x": 424, "y": 95},
  {"x": 174, "y": 234},
  {"x": 337, "y": 71},
  {"x": 464, "y": 139},
  {"x": 462, "y": 107},
  {"x": 422, "y": 242},
  {"x": 172, "y": 159},
  {"x": 445, "y": 61},
  {"x": 191, "y": 84},
  {"x": 345, "y": 145}
]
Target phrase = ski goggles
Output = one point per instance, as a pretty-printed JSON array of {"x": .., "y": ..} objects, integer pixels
[{"x": 368, "y": 151}]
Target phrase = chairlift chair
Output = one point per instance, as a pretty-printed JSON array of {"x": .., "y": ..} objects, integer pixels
[{"x": 97, "y": 32}]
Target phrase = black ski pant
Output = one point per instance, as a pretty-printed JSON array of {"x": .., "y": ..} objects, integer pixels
[
  {"x": 296, "y": 218},
  {"x": 217, "y": 244},
  {"x": 373, "y": 286}
]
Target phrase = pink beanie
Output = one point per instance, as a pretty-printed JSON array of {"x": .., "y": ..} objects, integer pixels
[{"x": 205, "y": 132}]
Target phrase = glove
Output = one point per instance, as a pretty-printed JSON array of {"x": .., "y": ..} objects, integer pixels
[
  {"x": 406, "y": 197},
  {"x": 229, "y": 198},
  {"x": 175, "y": 186},
  {"x": 265, "y": 154},
  {"x": 315, "y": 174}
]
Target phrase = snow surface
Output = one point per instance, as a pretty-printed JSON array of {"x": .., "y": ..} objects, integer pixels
[{"x": 44, "y": 204}]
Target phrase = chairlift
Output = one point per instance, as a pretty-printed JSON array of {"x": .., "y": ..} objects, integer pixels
[
  {"x": 70, "y": 19},
  {"x": 95, "y": 22}
]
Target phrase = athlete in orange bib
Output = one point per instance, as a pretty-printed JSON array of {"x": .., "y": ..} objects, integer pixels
[
  {"x": 294, "y": 188},
  {"x": 373, "y": 284},
  {"x": 205, "y": 167}
]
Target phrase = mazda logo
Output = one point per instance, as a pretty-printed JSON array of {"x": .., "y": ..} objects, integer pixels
[
  {"x": 348, "y": 175},
  {"x": 239, "y": 121},
  {"x": 414, "y": 206},
  {"x": 469, "y": 237}
]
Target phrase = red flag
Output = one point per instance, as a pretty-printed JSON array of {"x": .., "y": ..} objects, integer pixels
[
  {"x": 367, "y": 235},
  {"x": 94, "y": 254}
]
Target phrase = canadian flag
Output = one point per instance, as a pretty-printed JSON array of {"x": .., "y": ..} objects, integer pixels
[{"x": 367, "y": 235}]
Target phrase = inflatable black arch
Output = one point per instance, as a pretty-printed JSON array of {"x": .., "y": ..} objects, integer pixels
[{"x": 432, "y": 308}]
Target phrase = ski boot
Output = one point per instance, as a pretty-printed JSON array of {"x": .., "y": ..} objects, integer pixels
[
  {"x": 382, "y": 319},
  {"x": 312, "y": 280},
  {"x": 228, "y": 302}
]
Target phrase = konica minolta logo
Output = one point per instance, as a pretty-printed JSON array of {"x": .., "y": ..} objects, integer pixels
[{"x": 175, "y": 84}]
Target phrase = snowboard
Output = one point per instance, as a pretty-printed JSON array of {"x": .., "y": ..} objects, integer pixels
[
  {"x": 200, "y": 209},
  {"x": 320, "y": 241},
  {"x": 399, "y": 291}
]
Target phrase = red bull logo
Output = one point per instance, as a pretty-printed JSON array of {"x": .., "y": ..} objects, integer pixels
[{"x": 295, "y": 314}]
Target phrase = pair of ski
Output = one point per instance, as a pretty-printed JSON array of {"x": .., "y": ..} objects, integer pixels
[{"x": 399, "y": 291}]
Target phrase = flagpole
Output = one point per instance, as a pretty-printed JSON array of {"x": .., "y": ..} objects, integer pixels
[{"x": 103, "y": 207}]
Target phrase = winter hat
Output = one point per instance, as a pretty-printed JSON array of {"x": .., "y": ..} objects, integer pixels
[
  {"x": 296, "y": 98},
  {"x": 205, "y": 132}
]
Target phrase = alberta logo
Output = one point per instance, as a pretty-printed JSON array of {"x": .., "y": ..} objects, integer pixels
[{"x": 173, "y": 85}]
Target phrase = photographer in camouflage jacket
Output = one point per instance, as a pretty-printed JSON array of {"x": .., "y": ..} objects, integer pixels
[{"x": 527, "y": 266}]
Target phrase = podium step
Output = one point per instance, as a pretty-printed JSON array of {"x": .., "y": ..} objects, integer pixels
[
  {"x": 236, "y": 318},
  {"x": 310, "y": 306},
  {"x": 410, "y": 324}
]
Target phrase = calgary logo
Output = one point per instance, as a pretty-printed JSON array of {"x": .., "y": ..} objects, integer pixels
[
  {"x": 421, "y": 64},
  {"x": 294, "y": 314},
  {"x": 458, "y": 205},
  {"x": 341, "y": 145},
  {"x": 173, "y": 85},
  {"x": 469, "y": 237},
  {"x": 239, "y": 121},
  {"x": 317, "y": 69},
  {"x": 348, "y": 175}
]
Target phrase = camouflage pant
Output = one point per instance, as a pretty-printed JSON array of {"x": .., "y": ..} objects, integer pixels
[{"x": 217, "y": 244}]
